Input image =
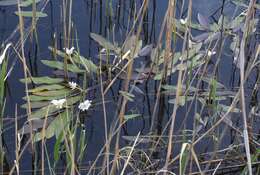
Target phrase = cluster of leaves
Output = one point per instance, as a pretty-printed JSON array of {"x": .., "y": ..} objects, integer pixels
[
  {"x": 24, "y": 3},
  {"x": 53, "y": 88}
]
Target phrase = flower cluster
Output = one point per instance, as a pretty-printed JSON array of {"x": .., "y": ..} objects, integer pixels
[
  {"x": 58, "y": 103},
  {"x": 85, "y": 105}
]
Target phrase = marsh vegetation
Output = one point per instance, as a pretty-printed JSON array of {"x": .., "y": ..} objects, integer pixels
[{"x": 129, "y": 87}]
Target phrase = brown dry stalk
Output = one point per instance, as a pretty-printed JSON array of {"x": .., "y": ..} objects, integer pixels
[
  {"x": 126, "y": 86},
  {"x": 169, "y": 28}
]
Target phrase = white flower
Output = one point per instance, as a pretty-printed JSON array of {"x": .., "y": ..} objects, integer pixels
[
  {"x": 85, "y": 105},
  {"x": 58, "y": 103},
  {"x": 69, "y": 51},
  {"x": 72, "y": 85},
  {"x": 183, "y": 21},
  {"x": 4, "y": 52},
  {"x": 191, "y": 43},
  {"x": 244, "y": 13},
  {"x": 210, "y": 53}
]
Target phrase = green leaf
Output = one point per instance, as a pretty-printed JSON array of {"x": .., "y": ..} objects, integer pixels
[
  {"x": 60, "y": 65},
  {"x": 87, "y": 64},
  {"x": 104, "y": 42},
  {"x": 184, "y": 158},
  {"x": 24, "y": 3},
  {"x": 30, "y": 14},
  {"x": 53, "y": 93},
  {"x": 37, "y": 104},
  {"x": 131, "y": 116},
  {"x": 35, "y": 98},
  {"x": 43, "y": 80},
  {"x": 40, "y": 113},
  {"x": 127, "y": 95},
  {"x": 28, "y": 3},
  {"x": 55, "y": 127},
  {"x": 47, "y": 87},
  {"x": 57, "y": 146}
]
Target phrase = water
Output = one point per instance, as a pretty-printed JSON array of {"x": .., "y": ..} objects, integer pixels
[{"x": 90, "y": 16}]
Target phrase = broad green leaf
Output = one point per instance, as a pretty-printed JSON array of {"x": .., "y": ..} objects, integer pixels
[
  {"x": 86, "y": 63},
  {"x": 53, "y": 93},
  {"x": 127, "y": 95},
  {"x": 40, "y": 113},
  {"x": 47, "y": 87},
  {"x": 43, "y": 80},
  {"x": 57, "y": 147},
  {"x": 24, "y": 3},
  {"x": 28, "y": 3},
  {"x": 131, "y": 116},
  {"x": 30, "y": 14},
  {"x": 8, "y": 2},
  {"x": 104, "y": 42},
  {"x": 37, "y": 104},
  {"x": 55, "y": 127},
  {"x": 60, "y": 65},
  {"x": 34, "y": 98},
  {"x": 184, "y": 157}
]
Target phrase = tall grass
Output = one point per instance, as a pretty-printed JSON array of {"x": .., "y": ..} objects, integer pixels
[{"x": 186, "y": 131}]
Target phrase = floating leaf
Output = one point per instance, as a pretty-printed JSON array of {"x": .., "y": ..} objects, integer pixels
[
  {"x": 43, "y": 80},
  {"x": 146, "y": 51},
  {"x": 34, "y": 98},
  {"x": 201, "y": 37},
  {"x": 8, "y": 2},
  {"x": 30, "y": 14},
  {"x": 53, "y": 92},
  {"x": 55, "y": 127},
  {"x": 137, "y": 89},
  {"x": 131, "y": 116},
  {"x": 204, "y": 22},
  {"x": 47, "y": 87},
  {"x": 27, "y": 3},
  {"x": 103, "y": 42},
  {"x": 130, "y": 43},
  {"x": 127, "y": 95},
  {"x": 37, "y": 104},
  {"x": 87, "y": 64},
  {"x": 60, "y": 65},
  {"x": 36, "y": 124},
  {"x": 40, "y": 113}
]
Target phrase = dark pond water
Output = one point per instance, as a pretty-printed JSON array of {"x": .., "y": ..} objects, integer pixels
[{"x": 91, "y": 16}]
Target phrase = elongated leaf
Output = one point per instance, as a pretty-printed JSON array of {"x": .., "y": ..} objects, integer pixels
[
  {"x": 24, "y": 3},
  {"x": 53, "y": 93},
  {"x": 103, "y": 42},
  {"x": 201, "y": 37},
  {"x": 27, "y": 3},
  {"x": 47, "y": 87},
  {"x": 36, "y": 124},
  {"x": 87, "y": 64},
  {"x": 55, "y": 127},
  {"x": 43, "y": 80},
  {"x": 37, "y": 104},
  {"x": 183, "y": 157},
  {"x": 30, "y": 14},
  {"x": 40, "y": 113},
  {"x": 60, "y": 65},
  {"x": 146, "y": 51},
  {"x": 35, "y": 98},
  {"x": 131, "y": 116},
  {"x": 127, "y": 95},
  {"x": 130, "y": 43},
  {"x": 57, "y": 146},
  {"x": 204, "y": 22},
  {"x": 8, "y": 2}
]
